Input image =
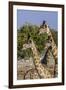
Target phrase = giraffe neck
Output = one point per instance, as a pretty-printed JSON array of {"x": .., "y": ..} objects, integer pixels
[
  {"x": 42, "y": 71},
  {"x": 54, "y": 47}
]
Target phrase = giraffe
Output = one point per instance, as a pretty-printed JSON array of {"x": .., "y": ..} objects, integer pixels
[
  {"x": 54, "y": 47},
  {"x": 45, "y": 28},
  {"x": 42, "y": 70}
]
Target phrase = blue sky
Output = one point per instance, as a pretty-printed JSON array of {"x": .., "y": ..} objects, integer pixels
[{"x": 37, "y": 17}]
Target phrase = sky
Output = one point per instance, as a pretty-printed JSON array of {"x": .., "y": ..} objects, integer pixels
[{"x": 36, "y": 18}]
